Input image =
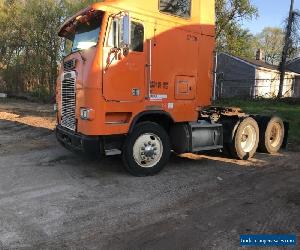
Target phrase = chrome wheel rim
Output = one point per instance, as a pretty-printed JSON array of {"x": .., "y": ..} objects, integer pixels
[
  {"x": 248, "y": 139},
  {"x": 275, "y": 135},
  {"x": 147, "y": 150}
]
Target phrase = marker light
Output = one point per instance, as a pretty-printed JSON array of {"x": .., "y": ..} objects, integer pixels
[{"x": 87, "y": 114}]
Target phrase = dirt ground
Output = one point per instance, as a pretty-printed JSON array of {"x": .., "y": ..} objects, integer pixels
[{"x": 53, "y": 199}]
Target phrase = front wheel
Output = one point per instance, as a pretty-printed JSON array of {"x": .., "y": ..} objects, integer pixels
[{"x": 146, "y": 150}]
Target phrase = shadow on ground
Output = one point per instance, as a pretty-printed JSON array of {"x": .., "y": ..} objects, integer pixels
[{"x": 51, "y": 198}]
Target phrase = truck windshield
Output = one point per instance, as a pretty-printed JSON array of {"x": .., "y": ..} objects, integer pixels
[{"x": 85, "y": 35}]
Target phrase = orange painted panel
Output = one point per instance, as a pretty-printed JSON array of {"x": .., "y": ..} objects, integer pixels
[{"x": 124, "y": 78}]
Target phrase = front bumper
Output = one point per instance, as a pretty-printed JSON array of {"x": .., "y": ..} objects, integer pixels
[{"x": 77, "y": 142}]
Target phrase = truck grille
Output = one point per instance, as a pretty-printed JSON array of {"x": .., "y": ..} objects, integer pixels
[{"x": 68, "y": 100}]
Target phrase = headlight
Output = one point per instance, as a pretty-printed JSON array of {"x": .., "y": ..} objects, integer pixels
[{"x": 87, "y": 114}]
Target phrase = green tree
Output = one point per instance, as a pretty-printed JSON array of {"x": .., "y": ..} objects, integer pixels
[
  {"x": 29, "y": 46},
  {"x": 231, "y": 37},
  {"x": 270, "y": 40},
  {"x": 238, "y": 41},
  {"x": 291, "y": 43}
]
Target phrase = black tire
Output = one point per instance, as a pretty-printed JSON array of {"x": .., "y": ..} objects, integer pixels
[
  {"x": 131, "y": 164},
  {"x": 236, "y": 147},
  {"x": 271, "y": 136}
]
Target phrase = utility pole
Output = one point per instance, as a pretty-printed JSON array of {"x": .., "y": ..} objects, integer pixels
[{"x": 287, "y": 45}]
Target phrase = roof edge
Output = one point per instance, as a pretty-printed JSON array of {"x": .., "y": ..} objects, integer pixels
[
  {"x": 257, "y": 66},
  {"x": 293, "y": 60},
  {"x": 239, "y": 59}
]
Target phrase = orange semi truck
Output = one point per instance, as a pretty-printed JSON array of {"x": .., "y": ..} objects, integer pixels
[{"x": 137, "y": 80}]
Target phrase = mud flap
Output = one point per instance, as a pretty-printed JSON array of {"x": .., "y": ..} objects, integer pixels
[{"x": 286, "y": 134}]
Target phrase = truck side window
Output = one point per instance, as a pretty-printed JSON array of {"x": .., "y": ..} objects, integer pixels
[
  {"x": 137, "y": 37},
  {"x": 180, "y": 8}
]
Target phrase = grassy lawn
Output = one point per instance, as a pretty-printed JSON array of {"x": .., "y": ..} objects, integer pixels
[{"x": 288, "y": 110}]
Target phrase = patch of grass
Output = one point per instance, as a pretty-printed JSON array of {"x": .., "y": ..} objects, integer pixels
[{"x": 287, "y": 110}]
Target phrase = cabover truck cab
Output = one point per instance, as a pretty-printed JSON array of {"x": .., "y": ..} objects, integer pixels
[{"x": 137, "y": 80}]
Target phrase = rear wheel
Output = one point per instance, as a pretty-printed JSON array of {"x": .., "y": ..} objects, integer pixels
[
  {"x": 246, "y": 139},
  {"x": 272, "y": 136},
  {"x": 146, "y": 150}
]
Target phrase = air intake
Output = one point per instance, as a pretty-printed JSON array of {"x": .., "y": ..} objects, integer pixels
[{"x": 70, "y": 65}]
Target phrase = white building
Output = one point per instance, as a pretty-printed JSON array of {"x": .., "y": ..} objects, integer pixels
[{"x": 239, "y": 77}]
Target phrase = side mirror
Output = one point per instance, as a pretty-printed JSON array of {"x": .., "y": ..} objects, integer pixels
[{"x": 125, "y": 32}]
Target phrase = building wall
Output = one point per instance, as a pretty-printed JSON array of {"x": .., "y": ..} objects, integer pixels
[
  {"x": 267, "y": 84},
  {"x": 295, "y": 67},
  {"x": 297, "y": 87},
  {"x": 235, "y": 78}
]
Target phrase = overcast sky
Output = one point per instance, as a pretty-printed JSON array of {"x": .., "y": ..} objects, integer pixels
[{"x": 271, "y": 13}]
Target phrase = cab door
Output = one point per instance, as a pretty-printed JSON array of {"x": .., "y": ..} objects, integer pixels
[{"x": 124, "y": 72}]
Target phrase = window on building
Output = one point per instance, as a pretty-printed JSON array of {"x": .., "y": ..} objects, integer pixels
[
  {"x": 181, "y": 8},
  {"x": 137, "y": 37}
]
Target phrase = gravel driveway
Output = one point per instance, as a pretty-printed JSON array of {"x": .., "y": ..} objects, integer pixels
[{"x": 53, "y": 199}]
